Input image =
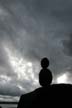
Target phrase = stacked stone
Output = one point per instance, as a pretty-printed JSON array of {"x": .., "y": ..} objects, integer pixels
[{"x": 45, "y": 75}]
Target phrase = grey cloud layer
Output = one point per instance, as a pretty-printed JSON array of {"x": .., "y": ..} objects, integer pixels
[
  {"x": 36, "y": 28},
  {"x": 68, "y": 45}
]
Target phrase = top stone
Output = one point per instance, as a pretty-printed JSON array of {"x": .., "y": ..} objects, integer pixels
[{"x": 44, "y": 62}]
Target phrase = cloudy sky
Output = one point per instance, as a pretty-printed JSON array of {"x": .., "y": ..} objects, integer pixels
[{"x": 29, "y": 31}]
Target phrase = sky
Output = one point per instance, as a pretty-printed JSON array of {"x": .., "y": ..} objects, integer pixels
[{"x": 29, "y": 31}]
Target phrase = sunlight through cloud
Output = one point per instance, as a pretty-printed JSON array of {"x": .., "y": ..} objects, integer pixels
[
  {"x": 62, "y": 78},
  {"x": 22, "y": 67}
]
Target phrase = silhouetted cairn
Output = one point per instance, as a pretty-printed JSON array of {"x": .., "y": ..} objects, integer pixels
[
  {"x": 49, "y": 95},
  {"x": 45, "y": 75}
]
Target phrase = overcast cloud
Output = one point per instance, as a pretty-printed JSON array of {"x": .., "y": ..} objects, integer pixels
[{"x": 30, "y": 30}]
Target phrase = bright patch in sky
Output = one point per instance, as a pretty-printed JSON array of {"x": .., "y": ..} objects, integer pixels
[
  {"x": 22, "y": 67},
  {"x": 4, "y": 79},
  {"x": 63, "y": 78}
]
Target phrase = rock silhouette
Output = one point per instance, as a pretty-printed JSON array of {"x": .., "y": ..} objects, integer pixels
[
  {"x": 45, "y": 75},
  {"x": 49, "y": 95},
  {"x": 44, "y": 63}
]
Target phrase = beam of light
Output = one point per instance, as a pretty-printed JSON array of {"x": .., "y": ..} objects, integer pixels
[
  {"x": 62, "y": 78},
  {"x": 23, "y": 68}
]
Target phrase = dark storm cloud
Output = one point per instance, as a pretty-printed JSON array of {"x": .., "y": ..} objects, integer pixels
[{"x": 35, "y": 28}]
